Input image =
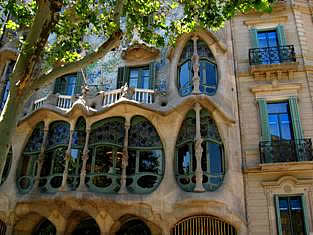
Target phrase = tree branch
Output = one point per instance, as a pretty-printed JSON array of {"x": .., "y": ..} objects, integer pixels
[{"x": 112, "y": 43}]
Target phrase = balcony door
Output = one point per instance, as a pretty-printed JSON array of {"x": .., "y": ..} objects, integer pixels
[
  {"x": 279, "y": 121},
  {"x": 269, "y": 46}
]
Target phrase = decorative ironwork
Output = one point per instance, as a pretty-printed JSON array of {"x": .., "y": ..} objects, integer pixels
[
  {"x": 272, "y": 55},
  {"x": 203, "y": 225},
  {"x": 286, "y": 151},
  {"x": 143, "y": 134},
  {"x": 109, "y": 131},
  {"x": 208, "y": 127},
  {"x": 59, "y": 134},
  {"x": 35, "y": 141}
]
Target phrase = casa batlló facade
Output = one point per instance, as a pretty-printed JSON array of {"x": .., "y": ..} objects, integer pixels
[{"x": 212, "y": 136}]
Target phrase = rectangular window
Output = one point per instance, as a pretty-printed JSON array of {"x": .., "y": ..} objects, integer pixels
[
  {"x": 279, "y": 121},
  {"x": 267, "y": 38},
  {"x": 290, "y": 215},
  {"x": 68, "y": 85},
  {"x": 136, "y": 77},
  {"x": 139, "y": 77}
]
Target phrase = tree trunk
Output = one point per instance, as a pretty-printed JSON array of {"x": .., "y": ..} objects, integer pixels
[{"x": 8, "y": 122}]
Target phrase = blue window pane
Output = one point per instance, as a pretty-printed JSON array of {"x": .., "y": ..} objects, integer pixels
[
  {"x": 71, "y": 83},
  {"x": 295, "y": 203},
  {"x": 285, "y": 126},
  {"x": 267, "y": 39},
  {"x": 185, "y": 80},
  {"x": 274, "y": 125},
  {"x": 146, "y": 79},
  {"x": 208, "y": 77},
  {"x": 133, "y": 78},
  {"x": 283, "y": 204},
  {"x": 215, "y": 158},
  {"x": 277, "y": 107}
]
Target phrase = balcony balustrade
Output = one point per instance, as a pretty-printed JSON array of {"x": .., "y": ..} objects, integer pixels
[
  {"x": 272, "y": 55},
  {"x": 65, "y": 102},
  {"x": 286, "y": 151}
]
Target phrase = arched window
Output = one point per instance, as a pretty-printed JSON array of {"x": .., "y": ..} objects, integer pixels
[
  {"x": 27, "y": 168},
  {"x": 212, "y": 161},
  {"x": 53, "y": 166},
  {"x": 3, "y": 228},
  {"x": 88, "y": 226},
  {"x": 145, "y": 157},
  {"x": 134, "y": 226},
  {"x": 45, "y": 227},
  {"x": 78, "y": 143},
  {"x": 106, "y": 149},
  {"x": 202, "y": 224},
  {"x": 207, "y": 71}
]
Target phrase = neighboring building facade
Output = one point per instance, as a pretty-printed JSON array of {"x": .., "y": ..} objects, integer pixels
[{"x": 210, "y": 137}]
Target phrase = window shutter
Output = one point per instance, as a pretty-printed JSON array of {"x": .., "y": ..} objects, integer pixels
[
  {"x": 266, "y": 136},
  {"x": 152, "y": 75},
  {"x": 120, "y": 77},
  {"x": 281, "y": 36},
  {"x": 305, "y": 215},
  {"x": 79, "y": 83},
  {"x": 58, "y": 86},
  {"x": 254, "y": 38},
  {"x": 278, "y": 219},
  {"x": 295, "y": 117}
]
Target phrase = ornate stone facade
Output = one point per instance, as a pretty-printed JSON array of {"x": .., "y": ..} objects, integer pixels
[{"x": 171, "y": 137}]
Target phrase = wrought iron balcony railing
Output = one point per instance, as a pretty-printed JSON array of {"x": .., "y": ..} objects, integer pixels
[
  {"x": 272, "y": 55},
  {"x": 286, "y": 151}
]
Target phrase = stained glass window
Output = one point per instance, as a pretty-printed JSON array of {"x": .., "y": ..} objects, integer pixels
[
  {"x": 146, "y": 161},
  {"x": 207, "y": 71},
  {"x": 212, "y": 161},
  {"x": 27, "y": 168}
]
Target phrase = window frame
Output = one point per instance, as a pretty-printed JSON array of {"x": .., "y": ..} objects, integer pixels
[{"x": 304, "y": 210}]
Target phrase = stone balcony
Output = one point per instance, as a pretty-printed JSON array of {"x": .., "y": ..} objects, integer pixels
[{"x": 101, "y": 100}]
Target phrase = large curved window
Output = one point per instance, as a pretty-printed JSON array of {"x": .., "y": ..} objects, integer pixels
[
  {"x": 212, "y": 160},
  {"x": 53, "y": 166},
  {"x": 207, "y": 71},
  {"x": 106, "y": 151},
  {"x": 27, "y": 169},
  {"x": 45, "y": 228},
  {"x": 202, "y": 224},
  {"x": 77, "y": 147},
  {"x": 145, "y": 157}
]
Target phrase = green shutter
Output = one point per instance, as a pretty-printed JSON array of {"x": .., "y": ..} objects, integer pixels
[
  {"x": 278, "y": 219},
  {"x": 254, "y": 38},
  {"x": 305, "y": 215},
  {"x": 120, "y": 77},
  {"x": 265, "y": 131},
  {"x": 152, "y": 75},
  {"x": 281, "y": 36},
  {"x": 295, "y": 117},
  {"x": 79, "y": 83},
  {"x": 60, "y": 86}
]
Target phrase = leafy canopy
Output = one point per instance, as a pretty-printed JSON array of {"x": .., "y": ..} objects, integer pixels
[{"x": 153, "y": 20}]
